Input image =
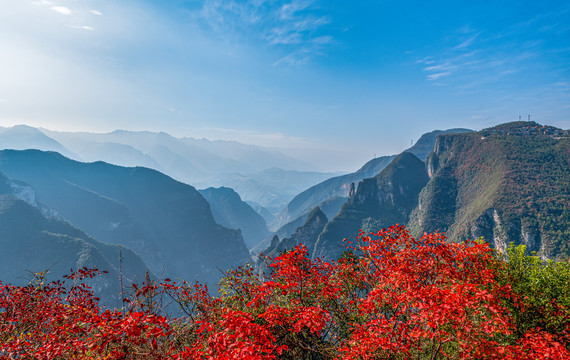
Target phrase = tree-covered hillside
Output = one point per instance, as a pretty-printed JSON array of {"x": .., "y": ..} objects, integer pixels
[{"x": 507, "y": 183}]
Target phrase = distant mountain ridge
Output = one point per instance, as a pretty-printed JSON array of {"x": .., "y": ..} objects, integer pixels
[
  {"x": 168, "y": 223},
  {"x": 230, "y": 211},
  {"x": 257, "y": 173},
  {"x": 22, "y": 137}
]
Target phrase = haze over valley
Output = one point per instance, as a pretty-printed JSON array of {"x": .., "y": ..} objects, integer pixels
[{"x": 284, "y": 179}]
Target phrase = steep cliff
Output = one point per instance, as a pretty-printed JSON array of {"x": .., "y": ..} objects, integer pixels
[
  {"x": 506, "y": 183},
  {"x": 381, "y": 201},
  {"x": 306, "y": 235}
]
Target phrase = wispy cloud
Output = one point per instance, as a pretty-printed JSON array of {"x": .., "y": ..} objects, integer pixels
[
  {"x": 426, "y": 60},
  {"x": 473, "y": 58},
  {"x": 296, "y": 28},
  {"x": 61, "y": 9},
  {"x": 42, "y": 2},
  {"x": 289, "y": 11},
  {"x": 436, "y": 76},
  {"x": 96, "y": 12},
  {"x": 82, "y": 27},
  {"x": 465, "y": 43}
]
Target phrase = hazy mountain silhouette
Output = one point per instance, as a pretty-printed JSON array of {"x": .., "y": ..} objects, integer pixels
[
  {"x": 32, "y": 242},
  {"x": 230, "y": 211},
  {"x": 170, "y": 223}
]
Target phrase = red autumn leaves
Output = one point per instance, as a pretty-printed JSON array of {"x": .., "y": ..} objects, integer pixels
[{"x": 390, "y": 296}]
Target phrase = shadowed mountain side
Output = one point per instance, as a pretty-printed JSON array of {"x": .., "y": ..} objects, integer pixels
[
  {"x": 31, "y": 242},
  {"x": 117, "y": 154},
  {"x": 329, "y": 207},
  {"x": 340, "y": 185},
  {"x": 230, "y": 211},
  {"x": 261, "y": 210},
  {"x": 509, "y": 183},
  {"x": 306, "y": 234},
  {"x": 381, "y": 201},
  {"x": 174, "y": 217},
  {"x": 334, "y": 187}
]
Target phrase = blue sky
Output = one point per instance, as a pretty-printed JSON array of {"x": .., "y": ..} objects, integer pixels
[{"x": 334, "y": 81}]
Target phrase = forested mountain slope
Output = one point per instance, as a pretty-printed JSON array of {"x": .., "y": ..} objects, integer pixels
[{"x": 509, "y": 183}]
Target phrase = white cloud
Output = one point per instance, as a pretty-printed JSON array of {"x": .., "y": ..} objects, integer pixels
[
  {"x": 436, "y": 76},
  {"x": 426, "y": 60},
  {"x": 82, "y": 27},
  {"x": 61, "y": 9},
  {"x": 323, "y": 40},
  {"x": 96, "y": 12},
  {"x": 42, "y": 2},
  {"x": 277, "y": 37},
  {"x": 296, "y": 59},
  {"x": 292, "y": 26},
  {"x": 288, "y": 11},
  {"x": 467, "y": 42}
]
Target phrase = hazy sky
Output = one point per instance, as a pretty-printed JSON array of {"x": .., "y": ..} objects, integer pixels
[{"x": 345, "y": 78}]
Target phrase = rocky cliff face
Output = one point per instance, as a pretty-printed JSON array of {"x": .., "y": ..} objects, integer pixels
[
  {"x": 340, "y": 186},
  {"x": 499, "y": 232},
  {"x": 306, "y": 235},
  {"x": 506, "y": 184},
  {"x": 381, "y": 201}
]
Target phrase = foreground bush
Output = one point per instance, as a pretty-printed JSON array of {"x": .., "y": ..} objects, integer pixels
[{"x": 390, "y": 296}]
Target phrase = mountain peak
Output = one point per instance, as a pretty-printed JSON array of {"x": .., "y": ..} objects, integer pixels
[{"x": 316, "y": 215}]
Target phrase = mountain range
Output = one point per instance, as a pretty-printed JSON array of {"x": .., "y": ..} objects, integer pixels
[
  {"x": 339, "y": 186},
  {"x": 166, "y": 222},
  {"x": 509, "y": 183},
  {"x": 32, "y": 241},
  {"x": 258, "y": 174}
]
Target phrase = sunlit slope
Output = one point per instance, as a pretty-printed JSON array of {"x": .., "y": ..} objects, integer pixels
[{"x": 507, "y": 183}]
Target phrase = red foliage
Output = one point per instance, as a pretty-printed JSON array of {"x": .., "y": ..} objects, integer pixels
[{"x": 391, "y": 296}]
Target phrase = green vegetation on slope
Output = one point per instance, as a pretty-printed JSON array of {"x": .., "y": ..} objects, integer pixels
[{"x": 505, "y": 183}]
